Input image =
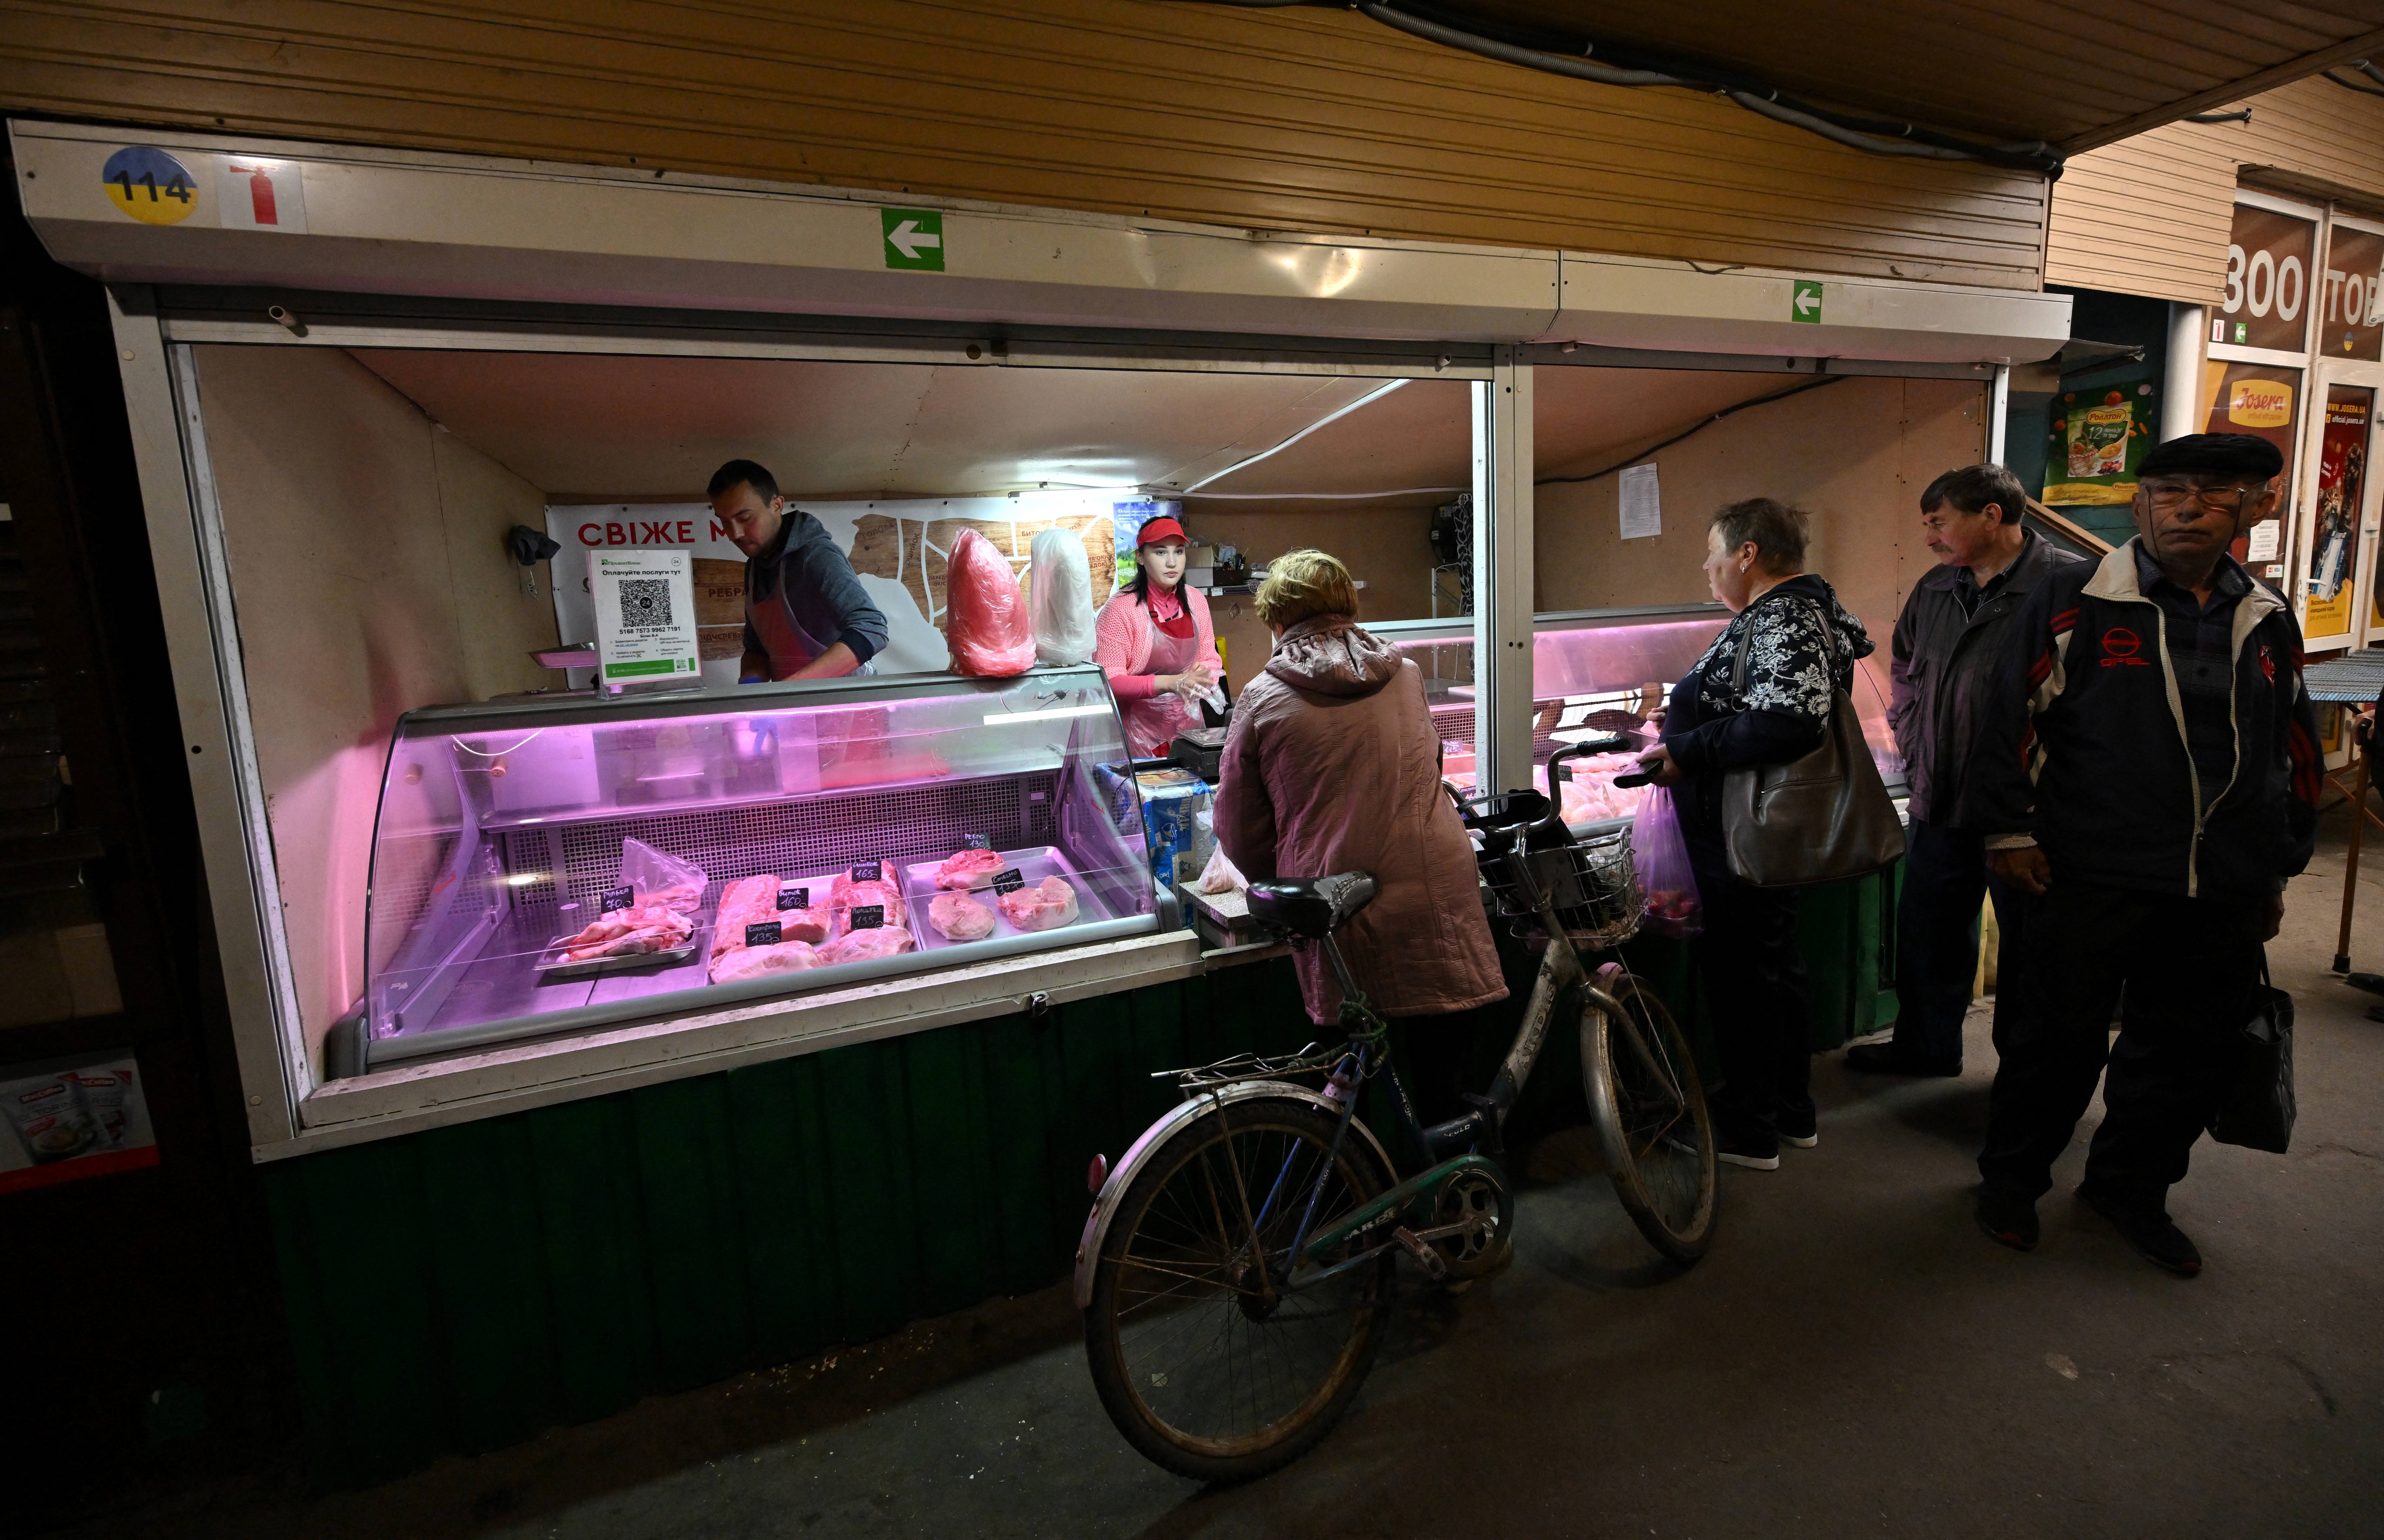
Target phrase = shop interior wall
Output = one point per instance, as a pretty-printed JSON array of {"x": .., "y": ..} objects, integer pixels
[
  {"x": 1311, "y": 119},
  {"x": 1856, "y": 455},
  {"x": 1388, "y": 548},
  {"x": 369, "y": 572}
]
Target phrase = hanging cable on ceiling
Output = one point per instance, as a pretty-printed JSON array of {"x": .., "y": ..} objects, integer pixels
[
  {"x": 2365, "y": 67},
  {"x": 1702, "y": 424},
  {"x": 1572, "y": 56}
]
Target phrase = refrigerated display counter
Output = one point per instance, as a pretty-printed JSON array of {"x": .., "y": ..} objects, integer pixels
[
  {"x": 544, "y": 864},
  {"x": 1588, "y": 664}
]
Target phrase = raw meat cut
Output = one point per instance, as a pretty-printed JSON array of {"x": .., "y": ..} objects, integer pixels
[
  {"x": 966, "y": 869},
  {"x": 745, "y": 901},
  {"x": 746, "y": 962},
  {"x": 844, "y": 896},
  {"x": 985, "y": 623},
  {"x": 862, "y": 945},
  {"x": 629, "y": 932},
  {"x": 958, "y": 917},
  {"x": 811, "y": 926},
  {"x": 1045, "y": 905}
]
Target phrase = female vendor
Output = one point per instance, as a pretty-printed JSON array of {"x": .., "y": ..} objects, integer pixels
[{"x": 1156, "y": 644}]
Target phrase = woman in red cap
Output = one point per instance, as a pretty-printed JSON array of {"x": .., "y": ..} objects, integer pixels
[{"x": 1155, "y": 642}]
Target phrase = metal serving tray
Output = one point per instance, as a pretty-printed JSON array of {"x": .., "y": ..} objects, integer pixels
[
  {"x": 552, "y": 964},
  {"x": 1034, "y": 863}
]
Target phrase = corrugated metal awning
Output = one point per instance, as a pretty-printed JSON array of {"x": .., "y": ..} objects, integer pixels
[{"x": 2009, "y": 69}]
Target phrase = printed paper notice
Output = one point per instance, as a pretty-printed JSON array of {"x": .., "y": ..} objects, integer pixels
[
  {"x": 2266, "y": 537},
  {"x": 1643, "y": 510},
  {"x": 645, "y": 615}
]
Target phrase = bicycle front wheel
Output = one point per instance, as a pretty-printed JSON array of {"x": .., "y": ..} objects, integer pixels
[
  {"x": 1206, "y": 1356},
  {"x": 1652, "y": 1120}
]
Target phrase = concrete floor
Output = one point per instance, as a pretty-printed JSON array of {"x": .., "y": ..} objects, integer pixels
[{"x": 1852, "y": 1358}]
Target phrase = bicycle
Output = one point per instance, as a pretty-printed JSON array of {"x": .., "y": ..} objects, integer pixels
[{"x": 1237, "y": 1268}]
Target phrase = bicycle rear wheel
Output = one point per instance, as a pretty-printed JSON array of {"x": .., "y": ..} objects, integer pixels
[
  {"x": 1652, "y": 1120},
  {"x": 1207, "y": 1364}
]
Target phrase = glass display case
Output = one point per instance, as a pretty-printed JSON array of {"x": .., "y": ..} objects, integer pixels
[
  {"x": 551, "y": 863},
  {"x": 1586, "y": 664}
]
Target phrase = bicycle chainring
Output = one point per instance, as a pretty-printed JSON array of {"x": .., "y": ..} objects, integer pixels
[{"x": 1479, "y": 1198}]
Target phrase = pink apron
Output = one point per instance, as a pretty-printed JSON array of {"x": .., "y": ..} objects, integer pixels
[{"x": 1151, "y": 724}]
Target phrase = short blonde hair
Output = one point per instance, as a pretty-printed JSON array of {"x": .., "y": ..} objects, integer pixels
[{"x": 1303, "y": 584}]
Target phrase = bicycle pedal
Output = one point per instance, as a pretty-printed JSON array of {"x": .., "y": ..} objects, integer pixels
[{"x": 1427, "y": 1256}]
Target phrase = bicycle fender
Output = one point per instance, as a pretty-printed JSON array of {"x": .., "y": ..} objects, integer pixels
[{"x": 1130, "y": 1164}]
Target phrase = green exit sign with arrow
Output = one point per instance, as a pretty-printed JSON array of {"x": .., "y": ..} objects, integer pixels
[
  {"x": 1804, "y": 300},
  {"x": 915, "y": 239}
]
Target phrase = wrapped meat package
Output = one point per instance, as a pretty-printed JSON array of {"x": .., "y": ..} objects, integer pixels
[
  {"x": 1060, "y": 595},
  {"x": 986, "y": 622},
  {"x": 656, "y": 877}
]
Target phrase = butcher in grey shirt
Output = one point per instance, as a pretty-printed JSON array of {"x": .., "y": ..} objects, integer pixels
[{"x": 806, "y": 613}]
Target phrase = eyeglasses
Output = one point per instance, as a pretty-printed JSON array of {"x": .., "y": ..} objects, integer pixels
[{"x": 2169, "y": 496}]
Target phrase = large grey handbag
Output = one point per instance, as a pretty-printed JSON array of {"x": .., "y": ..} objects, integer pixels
[{"x": 1822, "y": 818}]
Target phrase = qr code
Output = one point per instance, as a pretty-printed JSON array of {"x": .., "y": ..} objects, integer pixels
[{"x": 645, "y": 603}]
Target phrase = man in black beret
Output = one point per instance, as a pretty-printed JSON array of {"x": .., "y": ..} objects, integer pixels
[{"x": 2153, "y": 778}]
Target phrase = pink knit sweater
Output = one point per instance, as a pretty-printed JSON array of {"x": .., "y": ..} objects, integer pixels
[{"x": 1122, "y": 643}]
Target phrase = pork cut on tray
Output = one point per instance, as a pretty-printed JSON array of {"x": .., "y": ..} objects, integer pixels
[
  {"x": 1045, "y": 905},
  {"x": 765, "y": 961},
  {"x": 968, "y": 869},
  {"x": 958, "y": 917},
  {"x": 629, "y": 932},
  {"x": 862, "y": 945}
]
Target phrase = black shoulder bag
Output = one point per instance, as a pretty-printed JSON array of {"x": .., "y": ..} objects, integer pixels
[{"x": 2257, "y": 1108}]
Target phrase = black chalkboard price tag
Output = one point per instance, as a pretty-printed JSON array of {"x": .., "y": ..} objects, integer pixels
[
  {"x": 978, "y": 842},
  {"x": 869, "y": 871},
  {"x": 794, "y": 898},
  {"x": 763, "y": 933},
  {"x": 869, "y": 917},
  {"x": 618, "y": 898},
  {"x": 1008, "y": 881}
]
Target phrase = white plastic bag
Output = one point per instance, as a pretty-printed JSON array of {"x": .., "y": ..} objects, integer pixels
[
  {"x": 1060, "y": 598},
  {"x": 654, "y": 877}
]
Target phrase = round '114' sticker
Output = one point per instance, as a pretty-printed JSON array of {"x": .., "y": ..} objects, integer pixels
[{"x": 149, "y": 185}]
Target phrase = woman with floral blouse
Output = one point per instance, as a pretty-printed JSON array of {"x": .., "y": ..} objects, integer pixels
[{"x": 1800, "y": 645}]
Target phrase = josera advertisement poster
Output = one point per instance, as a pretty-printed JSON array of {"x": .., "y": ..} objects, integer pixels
[{"x": 2100, "y": 436}]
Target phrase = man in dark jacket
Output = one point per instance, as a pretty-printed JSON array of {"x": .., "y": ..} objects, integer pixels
[
  {"x": 806, "y": 613},
  {"x": 2155, "y": 778},
  {"x": 1948, "y": 643}
]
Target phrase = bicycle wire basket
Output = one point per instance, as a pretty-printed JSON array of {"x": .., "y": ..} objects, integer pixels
[{"x": 1593, "y": 882}]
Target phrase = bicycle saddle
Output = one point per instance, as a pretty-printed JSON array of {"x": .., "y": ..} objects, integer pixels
[{"x": 1312, "y": 906}]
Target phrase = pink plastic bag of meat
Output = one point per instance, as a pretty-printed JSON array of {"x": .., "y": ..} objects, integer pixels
[{"x": 985, "y": 626}]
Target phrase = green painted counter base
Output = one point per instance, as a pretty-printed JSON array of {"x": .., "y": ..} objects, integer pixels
[{"x": 455, "y": 1290}]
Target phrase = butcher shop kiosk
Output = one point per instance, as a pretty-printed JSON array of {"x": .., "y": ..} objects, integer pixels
[{"x": 602, "y": 1040}]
